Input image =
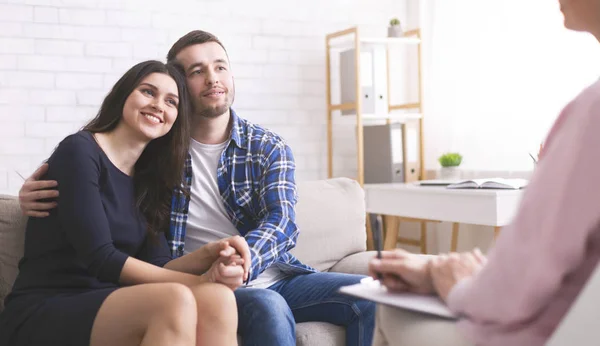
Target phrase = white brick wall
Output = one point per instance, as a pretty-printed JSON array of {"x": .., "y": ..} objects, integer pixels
[{"x": 58, "y": 58}]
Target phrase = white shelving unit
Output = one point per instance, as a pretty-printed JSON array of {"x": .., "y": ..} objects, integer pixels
[{"x": 351, "y": 39}]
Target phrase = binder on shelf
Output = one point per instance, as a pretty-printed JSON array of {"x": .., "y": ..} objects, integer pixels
[
  {"x": 383, "y": 154},
  {"x": 373, "y": 79},
  {"x": 411, "y": 140}
]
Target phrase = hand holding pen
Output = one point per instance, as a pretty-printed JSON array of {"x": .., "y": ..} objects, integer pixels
[
  {"x": 533, "y": 158},
  {"x": 402, "y": 271},
  {"x": 537, "y": 157}
]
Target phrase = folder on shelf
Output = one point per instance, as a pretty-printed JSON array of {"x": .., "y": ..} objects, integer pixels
[
  {"x": 412, "y": 164},
  {"x": 383, "y": 153}
]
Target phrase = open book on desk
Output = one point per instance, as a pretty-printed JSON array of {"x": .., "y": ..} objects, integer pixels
[
  {"x": 493, "y": 183},
  {"x": 372, "y": 290}
]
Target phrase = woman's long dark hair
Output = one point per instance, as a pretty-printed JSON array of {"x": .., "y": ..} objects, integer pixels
[{"x": 159, "y": 170}]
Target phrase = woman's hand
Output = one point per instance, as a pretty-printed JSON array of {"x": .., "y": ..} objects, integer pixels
[
  {"x": 403, "y": 271},
  {"x": 447, "y": 270}
]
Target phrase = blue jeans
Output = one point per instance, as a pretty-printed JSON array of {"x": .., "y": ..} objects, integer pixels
[{"x": 269, "y": 316}]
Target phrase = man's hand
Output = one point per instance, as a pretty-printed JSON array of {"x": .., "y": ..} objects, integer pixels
[
  {"x": 403, "y": 271},
  {"x": 34, "y": 190},
  {"x": 447, "y": 270},
  {"x": 233, "y": 245}
]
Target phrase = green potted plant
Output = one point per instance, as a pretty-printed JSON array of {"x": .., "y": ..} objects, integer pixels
[
  {"x": 450, "y": 163},
  {"x": 395, "y": 29}
]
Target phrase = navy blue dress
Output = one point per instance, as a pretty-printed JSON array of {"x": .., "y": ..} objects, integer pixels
[{"x": 74, "y": 257}]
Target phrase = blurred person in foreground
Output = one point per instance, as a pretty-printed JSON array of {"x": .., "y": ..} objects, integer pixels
[{"x": 542, "y": 260}]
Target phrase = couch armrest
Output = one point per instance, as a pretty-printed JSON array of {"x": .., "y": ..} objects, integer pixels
[{"x": 357, "y": 263}]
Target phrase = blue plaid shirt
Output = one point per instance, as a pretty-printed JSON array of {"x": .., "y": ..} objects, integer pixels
[{"x": 256, "y": 179}]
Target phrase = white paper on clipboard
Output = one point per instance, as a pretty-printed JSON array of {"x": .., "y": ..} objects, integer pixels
[{"x": 372, "y": 290}]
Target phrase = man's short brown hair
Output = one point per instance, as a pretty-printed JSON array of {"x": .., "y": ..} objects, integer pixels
[{"x": 190, "y": 39}]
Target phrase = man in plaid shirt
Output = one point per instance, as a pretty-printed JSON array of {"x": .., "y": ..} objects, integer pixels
[{"x": 239, "y": 184}]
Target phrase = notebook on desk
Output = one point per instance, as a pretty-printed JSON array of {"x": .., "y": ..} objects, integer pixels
[
  {"x": 437, "y": 182},
  {"x": 488, "y": 183},
  {"x": 372, "y": 290},
  {"x": 492, "y": 183}
]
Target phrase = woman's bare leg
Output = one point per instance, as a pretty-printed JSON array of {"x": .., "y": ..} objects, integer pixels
[
  {"x": 150, "y": 314},
  {"x": 217, "y": 315}
]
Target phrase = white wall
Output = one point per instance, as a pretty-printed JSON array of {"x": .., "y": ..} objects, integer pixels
[
  {"x": 497, "y": 75},
  {"x": 58, "y": 58}
]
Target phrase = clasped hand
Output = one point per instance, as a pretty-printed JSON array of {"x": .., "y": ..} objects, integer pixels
[{"x": 232, "y": 262}]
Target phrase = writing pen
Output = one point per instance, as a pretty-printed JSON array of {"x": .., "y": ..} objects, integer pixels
[
  {"x": 533, "y": 158},
  {"x": 377, "y": 228},
  {"x": 19, "y": 174}
]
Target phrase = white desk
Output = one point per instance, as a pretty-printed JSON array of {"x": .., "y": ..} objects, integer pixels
[{"x": 432, "y": 203}]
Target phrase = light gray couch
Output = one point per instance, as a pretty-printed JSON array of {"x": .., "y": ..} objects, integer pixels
[{"x": 331, "y": 218}]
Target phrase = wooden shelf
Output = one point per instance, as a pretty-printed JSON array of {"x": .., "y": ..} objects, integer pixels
[
  {"x": 402, "y": 118},
  {"x": 343, "y": 43},
  {"x": 342, "y": 107},
  {"x": 398, "y": 117},
  {"x": 416, "y": 105}
]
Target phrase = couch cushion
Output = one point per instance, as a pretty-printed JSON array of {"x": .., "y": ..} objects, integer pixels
[
  {"x": 12, "y": 237},
  {"x": 331, "y": 218},
  {"x": 317, "y": 334},
  {"x": 320, "y": 334}
]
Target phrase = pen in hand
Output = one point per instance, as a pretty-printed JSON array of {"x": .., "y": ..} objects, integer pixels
[
  {"x": 377, "y": 227},
  {"x": 533, "y": 158},
  {"x": 19, "y": 174}
]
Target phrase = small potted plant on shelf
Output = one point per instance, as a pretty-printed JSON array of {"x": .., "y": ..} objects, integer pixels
[
  {"x": 450, "y": 163},
  {"x": 395, "y": 30}
]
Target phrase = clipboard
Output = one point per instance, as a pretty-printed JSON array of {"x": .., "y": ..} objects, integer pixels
[{"x": 373, "y": 291}]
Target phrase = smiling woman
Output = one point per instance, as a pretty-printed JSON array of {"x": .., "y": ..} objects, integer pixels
[
  {"x": 151, "y": 109},
  {"x": 98, "y": 270},
  {"x": 143, "y": 107}
]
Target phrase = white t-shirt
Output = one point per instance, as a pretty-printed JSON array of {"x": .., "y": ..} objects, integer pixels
[{"x": 207, "y": 219}]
